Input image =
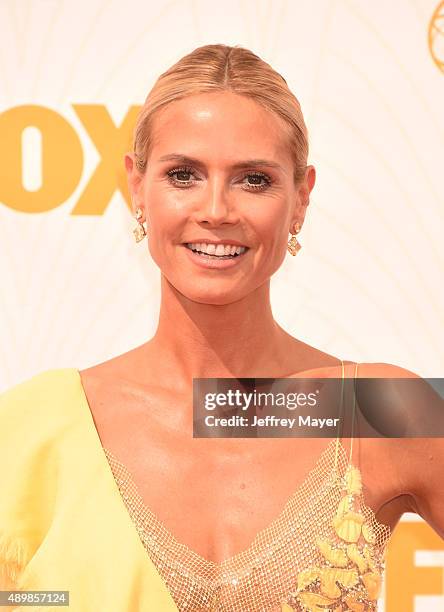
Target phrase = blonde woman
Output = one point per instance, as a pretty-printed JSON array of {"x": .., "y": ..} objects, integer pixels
[{"x": 104, "y": 491}]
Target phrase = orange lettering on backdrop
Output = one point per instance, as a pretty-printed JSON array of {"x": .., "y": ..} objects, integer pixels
[
  {"x": 62, "y": 159},
  {"x": 112, "y": 143},
  {"x": 403, "y": 578}
]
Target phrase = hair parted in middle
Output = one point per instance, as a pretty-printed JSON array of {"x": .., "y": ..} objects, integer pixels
[{"x": 218, "y": 68}]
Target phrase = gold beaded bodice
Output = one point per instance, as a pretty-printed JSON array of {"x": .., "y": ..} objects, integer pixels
[{"x": 325, "y": 551}]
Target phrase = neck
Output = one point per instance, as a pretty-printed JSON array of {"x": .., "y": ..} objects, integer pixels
[{"x": 239, "y": 339}]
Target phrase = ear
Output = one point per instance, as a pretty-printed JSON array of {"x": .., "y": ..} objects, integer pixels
[
  {"x": 134, "y": 178},
  {"x": 307, "y": 185},
  {"x": 303, "y": 196}
]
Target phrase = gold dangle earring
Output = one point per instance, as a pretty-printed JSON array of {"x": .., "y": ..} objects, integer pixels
[
  {"x": 293, "y": 245},
  {"x": 139, "y": 231}
]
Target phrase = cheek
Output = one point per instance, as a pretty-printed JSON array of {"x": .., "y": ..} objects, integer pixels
[
  {"x": 271, "y": 227},
  {"x": 166, "y": 213}
]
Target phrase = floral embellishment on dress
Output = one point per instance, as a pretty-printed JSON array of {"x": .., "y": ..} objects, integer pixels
[
  {"x": 353, "y": 481},
  {"x": 336, "y": 556},
  {"x": 368, "y": 534},
  {"x": 348, "y": 578},
  {"x": 372, "y": 582},
  {"x": 348, "y": 526},
  {"x": 355, "y": 555}
]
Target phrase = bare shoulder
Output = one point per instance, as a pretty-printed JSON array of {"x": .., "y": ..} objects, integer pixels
[
  {"x": 384, "y": 370},
  {"x": 116, "y": 370},
  {"x": 417, "y": 461},
  {"x": 95, "y": 381},
  {"x": 118, "y": 403},
  {"x": 126, "y": 383},
  {"x": 107, "y": 384}
]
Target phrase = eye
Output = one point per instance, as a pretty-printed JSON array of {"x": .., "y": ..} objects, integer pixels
[
  {"x": 255, "y": 181},
  {"x": 182, "y": 176}
]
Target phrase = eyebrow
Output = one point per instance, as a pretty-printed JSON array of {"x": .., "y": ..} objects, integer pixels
[{"x": 248, "y": 163}]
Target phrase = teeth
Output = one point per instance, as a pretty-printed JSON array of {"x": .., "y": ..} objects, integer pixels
[{"x": 220, "y": 250}]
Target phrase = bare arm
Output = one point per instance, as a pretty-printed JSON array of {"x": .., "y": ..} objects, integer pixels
[{"x": 420, "y": 460}]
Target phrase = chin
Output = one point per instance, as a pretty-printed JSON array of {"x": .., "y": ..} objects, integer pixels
[{"x": 215, "y": 298}]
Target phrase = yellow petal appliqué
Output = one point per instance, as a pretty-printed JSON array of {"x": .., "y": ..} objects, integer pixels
[
  {"x": 346, "y": 577},
  {"x": 329, "y": 576},
  {"x": 369, "y": 558},
  {"x": 348, "y": 526},
  {"x": 335, "y": 556},
  {"x": 353, "y": 603},
  {"x": 372, "y": 582},
  {"x": 355, "y": 555},
  {"x": 307, "y": 576},
  {"x": 343, "y": 506},
  {"x": 328, "y": 584},
  {"x": 368, "y": 534},
  {"x": 315, "y": 602},
  {"x": 353, "y": 480},
  {"x": 286, "y": 608}
]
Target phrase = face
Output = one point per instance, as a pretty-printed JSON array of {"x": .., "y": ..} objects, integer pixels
[{"x": 219, "y": 171}]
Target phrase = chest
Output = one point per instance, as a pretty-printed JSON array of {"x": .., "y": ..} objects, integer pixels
[{"x": 215, "y": 496}]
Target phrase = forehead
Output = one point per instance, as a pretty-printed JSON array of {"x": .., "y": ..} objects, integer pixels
[{"x": 220, "y": 126}]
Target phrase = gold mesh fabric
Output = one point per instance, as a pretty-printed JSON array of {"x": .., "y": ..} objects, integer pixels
[{"x": 325, "y": 551}]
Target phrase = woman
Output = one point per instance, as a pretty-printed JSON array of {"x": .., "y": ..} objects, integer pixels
[{"x": 218, "y": 180}]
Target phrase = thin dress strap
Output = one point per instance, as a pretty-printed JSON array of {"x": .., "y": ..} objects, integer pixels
[
  {"x": 353, "y": 413},
  {"x": 341, "y": 416},
  {"x": 339, "y": 428}
]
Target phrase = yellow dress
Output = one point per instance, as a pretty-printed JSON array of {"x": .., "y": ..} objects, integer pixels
[{"x": 68, "y": 522}]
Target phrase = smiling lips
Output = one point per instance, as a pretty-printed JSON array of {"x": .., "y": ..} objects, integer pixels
[
  {"x": 216, "y": 256},
  {"x": 218, "y": 250}
]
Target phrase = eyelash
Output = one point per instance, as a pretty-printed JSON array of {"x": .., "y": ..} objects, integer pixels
[{"x": 188, "y": 170}]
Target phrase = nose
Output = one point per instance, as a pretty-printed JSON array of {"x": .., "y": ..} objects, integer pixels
[{"x": 215, "y": 206}]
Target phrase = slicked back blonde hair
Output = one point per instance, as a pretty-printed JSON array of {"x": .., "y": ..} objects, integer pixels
[{"x": 213, "y": 68}]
